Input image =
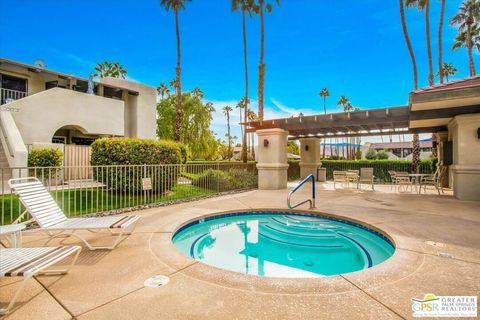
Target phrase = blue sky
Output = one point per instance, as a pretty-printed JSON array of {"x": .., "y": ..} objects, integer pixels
[{"x": 355, "y": 48}]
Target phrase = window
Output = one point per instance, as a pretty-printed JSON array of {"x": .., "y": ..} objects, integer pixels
[
  {"x": 13, "y": 83},
  {"x": 110, "y": 92},
  {"x": 59, "y": 139}
]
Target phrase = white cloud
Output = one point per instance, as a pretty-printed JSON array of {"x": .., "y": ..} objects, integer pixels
[{"x": 288, "y": 111}]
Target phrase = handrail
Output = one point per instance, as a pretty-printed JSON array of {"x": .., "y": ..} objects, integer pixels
[{"x": 312, "y": 200}]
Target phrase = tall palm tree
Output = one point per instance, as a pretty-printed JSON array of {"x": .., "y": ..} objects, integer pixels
[
  {"x": 409, "y": 44},
  {"x": 176, "y": 6},
  {"x": 110, "y": 69},
  {"x": 468, "y": 14},
  {"x": 424, "y": 5},
  {"x": 440, "y": 48},
  {"x": 251, "y": 116},
  {"x": 260, "y": 9},
  {"x": 162, "y": 89},
  {"x": 240, "y": 106},
  {"x": 246, "y": 7},
  {"x": 347, "y": 107},
  {"x": 324, "y": 93},
  {"x": 461, "y": 38},
  {"x": 226, "y": 111},
  {"x": 448, "y": 70}
]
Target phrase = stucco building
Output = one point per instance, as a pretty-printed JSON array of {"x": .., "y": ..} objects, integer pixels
[{"x": 41, "y": 107}]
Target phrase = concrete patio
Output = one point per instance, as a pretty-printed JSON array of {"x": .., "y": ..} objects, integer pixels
[{"x": 109, "y": 284}]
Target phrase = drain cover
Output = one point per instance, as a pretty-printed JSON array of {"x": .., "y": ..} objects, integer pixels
[
  {"x": 156, "y": 281},
  {"x": 435, "y": 244}
]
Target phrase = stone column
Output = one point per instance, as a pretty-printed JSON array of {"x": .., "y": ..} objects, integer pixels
[
  {"x": 272, "y": 159},
  {"x": 309, "y": 157},
  {"x": 463, "y": 130}
]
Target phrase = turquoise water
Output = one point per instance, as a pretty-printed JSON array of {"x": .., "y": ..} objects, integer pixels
[{"x": 276, "y": 244}]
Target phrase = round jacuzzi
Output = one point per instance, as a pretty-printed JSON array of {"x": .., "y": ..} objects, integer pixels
[{"x": 283, "y": 244}]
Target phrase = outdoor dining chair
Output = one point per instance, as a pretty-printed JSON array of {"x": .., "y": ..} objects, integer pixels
[{"x": 366, "y": 176}]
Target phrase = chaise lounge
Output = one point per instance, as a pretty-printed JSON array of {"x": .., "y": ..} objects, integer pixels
[{"x": 51, "y": 219}]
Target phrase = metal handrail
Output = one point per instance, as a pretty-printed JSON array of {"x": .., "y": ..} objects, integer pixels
[{"x": 312, "y": 200}]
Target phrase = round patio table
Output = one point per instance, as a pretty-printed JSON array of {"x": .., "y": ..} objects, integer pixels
[
  {"x": 417, "y": 179},
  {"x": 14, "y": 232}
]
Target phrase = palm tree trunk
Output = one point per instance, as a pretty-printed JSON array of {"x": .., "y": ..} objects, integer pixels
[
  {"x": 261, "y": 65},
  {"x": 469, "y": 47},
  {"x": 409, "y": 45},
  {"x": 229, "y": 138},
  {"x": 429, "y": 46},
  {"x": 244, "y": 136},
  {"x": 178, "y": 85},
  {"x": 440, "y": 49},
  {"x": 416, "y": 153}
]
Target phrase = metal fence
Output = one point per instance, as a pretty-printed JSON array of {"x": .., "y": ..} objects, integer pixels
[
  {"x": 126, "y": 186},
  {"x": 380, "y": 168}
]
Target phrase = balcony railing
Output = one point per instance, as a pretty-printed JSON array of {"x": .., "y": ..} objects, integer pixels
[{"x": 7, "y": 95}]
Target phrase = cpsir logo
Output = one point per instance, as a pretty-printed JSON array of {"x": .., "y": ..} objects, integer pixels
[{"x": 444, "y": 306}]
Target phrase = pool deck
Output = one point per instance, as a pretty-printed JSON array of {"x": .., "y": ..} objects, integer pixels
[{"x": 109, "y": 284}]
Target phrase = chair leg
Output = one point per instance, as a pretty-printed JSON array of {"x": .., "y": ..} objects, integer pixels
[{"x": 15, "y": 296}]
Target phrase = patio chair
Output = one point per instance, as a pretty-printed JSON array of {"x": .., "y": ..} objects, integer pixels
[
  {"x": 402, "y": 179},
  {"x": 339, "y": 176},
  {"x": 435, "y": 179},
  {"x": 366, "y": 176},
  {"x": 29, "y": 262},
  {"x": 51, "y": 219},
  {"x": 353, "y": 175}
]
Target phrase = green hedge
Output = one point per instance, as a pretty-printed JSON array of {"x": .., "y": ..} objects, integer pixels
[
  {"x": 45, "y": 157},
  {"x": 380, "y": 167},
  {"x": 219, "y": 180},
  {"x": 135, "y": 152}
]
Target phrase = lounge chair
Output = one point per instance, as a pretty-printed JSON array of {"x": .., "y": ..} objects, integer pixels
[
  {"x": 366, "y": 176},
  {"x": 51, "y": 219},
  {"x": 29, "y": 262},
  {"x": 402, "y": 179}
]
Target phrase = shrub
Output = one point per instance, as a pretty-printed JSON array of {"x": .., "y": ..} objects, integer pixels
[
  {"x": 382, "y": 155},
  {"x": 220, "y": 180},
  {"x": 131, "y": 154},
  {"x": 371, "y": 154},
  {"x": 45, "y": 158}
]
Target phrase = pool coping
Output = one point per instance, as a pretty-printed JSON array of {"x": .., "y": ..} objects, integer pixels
[{"x": 382, "y": 273}]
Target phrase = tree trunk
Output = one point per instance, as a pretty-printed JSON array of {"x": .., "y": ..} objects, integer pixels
[
  {"x": 429, "y": 46},
  {"x": 409, "y": 45},
  {"x": 229, "y": 138},
  {"x": 244, "y": 137},
  {"x": 440, "y": 49},
  {"x": 178, "y": 85},
  {"x": 416, "y": 153},
  {"x": 469, "y": 47},
  {"x": 261, "y": 65}
]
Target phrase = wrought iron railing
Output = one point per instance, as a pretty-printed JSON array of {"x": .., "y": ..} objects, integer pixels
[
  {"x": 93, "y": 189},
  {"x": 7, "y": 95}
]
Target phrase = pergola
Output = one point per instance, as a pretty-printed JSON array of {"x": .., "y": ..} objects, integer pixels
[{"x": 373, "y": 122}]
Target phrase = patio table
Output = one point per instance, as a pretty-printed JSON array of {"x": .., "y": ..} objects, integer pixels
[
  {"x": 15, "y": 233},
  {"x": 417, "y": 179}
]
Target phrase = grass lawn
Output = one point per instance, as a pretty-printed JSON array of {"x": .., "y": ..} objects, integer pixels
[{"x": 83, "y": 201}]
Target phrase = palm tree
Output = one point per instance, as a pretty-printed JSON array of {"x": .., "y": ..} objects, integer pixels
[
  {"x": 424, "y": 5},
  {"x": 246, "y": 6},
  {"x": 324, "y": 93},
  {"x": 468, "y": 14},
  {"x": 448, "y": 70},
  {"x": 440, "y": 49},
  {"x": 251, "y": 116},
  {"x": 240, "y": 106},
  {"x": 259, "y": 9},
  {"x": 409, "y": 45},
  {"x": 177, "y": 5},
  {"x": 226, "y": 111},
  {"x": 461, "y": 38},
  {"x": 162, "y": 89},
  {"x": 347, "y": 107},
  {"x": 110, "y": 69}
]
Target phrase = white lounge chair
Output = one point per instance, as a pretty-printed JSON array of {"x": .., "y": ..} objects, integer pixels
[
  {"x": 339, "y": 177},
  {"x": 51, "y": 219},
  {"x": 29, "y": 262}
]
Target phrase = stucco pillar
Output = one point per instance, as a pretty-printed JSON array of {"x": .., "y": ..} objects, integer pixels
[
  {"x": 309, "y": 157},
  {"x": 272, "y": 159},
  {"x": 463, "y": 131}
]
